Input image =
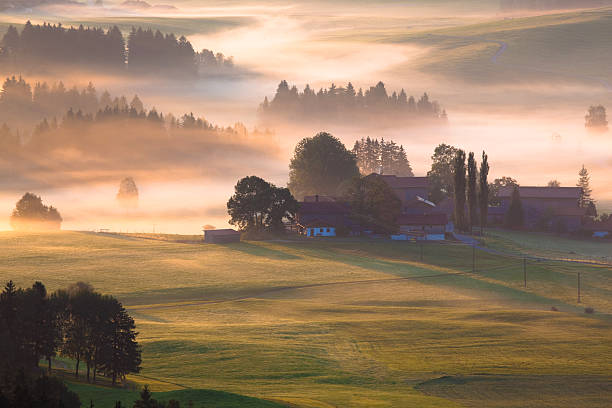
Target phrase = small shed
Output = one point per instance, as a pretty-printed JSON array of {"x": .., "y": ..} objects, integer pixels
[
  {"x": 221, "y": 236},
  {"x": 430, "y": 227}
]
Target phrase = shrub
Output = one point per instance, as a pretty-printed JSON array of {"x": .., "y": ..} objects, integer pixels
[{"x": 589, "y": 310}]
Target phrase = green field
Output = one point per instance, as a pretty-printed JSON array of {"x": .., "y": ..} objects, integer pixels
[{"x": 347, "y": 323}]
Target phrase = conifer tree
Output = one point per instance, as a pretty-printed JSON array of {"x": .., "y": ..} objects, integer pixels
[
  {"x": 472, "y": 194},
  {"x": 483, "y": 191},
  {"x": 459, "y": 189},
  {"x": 584, "y": 179}
]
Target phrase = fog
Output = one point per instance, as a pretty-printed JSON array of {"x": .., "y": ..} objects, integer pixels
[{"x": 532, "y": 130}]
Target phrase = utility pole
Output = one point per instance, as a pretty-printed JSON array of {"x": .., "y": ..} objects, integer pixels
[
  {"x": 578, "y": 287},
  {"x": 525, "y": 272}
]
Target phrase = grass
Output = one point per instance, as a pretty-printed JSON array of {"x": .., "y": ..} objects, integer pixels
[
  {"x": 107, "y": 397},
  {"x": 325, "y": 323}
]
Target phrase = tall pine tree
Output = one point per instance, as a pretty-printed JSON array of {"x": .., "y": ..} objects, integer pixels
[
  {"x": 472, "y": 194},
  {"x": 459, "y": 189},
  {"x": 483, "y": 191}
]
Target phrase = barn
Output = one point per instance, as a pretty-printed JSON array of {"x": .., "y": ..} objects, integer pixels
[{"x": 221, "y": 236}]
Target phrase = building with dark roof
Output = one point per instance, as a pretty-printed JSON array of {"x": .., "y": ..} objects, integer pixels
[
  {"x": 408, "y": 189},
  {"x": 324, "y": 218},
  {"x": 554, "y": 208},
  {"x": 221, "y": 236}
]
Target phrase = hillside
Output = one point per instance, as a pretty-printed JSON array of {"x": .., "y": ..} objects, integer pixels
[
  {"x": 344, "y": 322},
  {"x": 570, "y": 47}
]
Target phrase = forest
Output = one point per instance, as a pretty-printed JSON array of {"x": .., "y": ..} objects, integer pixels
[
  {"x": 349, "y": 104},
  {"x": 53, "y": 46},
  {"x": 108, "y": 135}
]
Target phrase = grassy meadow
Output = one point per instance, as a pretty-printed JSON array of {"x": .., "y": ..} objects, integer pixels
[{"x": 338, "y": 323}]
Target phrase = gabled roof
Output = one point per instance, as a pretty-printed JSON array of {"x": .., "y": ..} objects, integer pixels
[
  {"x": 220, "y": 232},
  {"x": 542, "y": 192},
  {"x": 319, "y": 223},
  {"x": 406, "y": 182},
  {"x": 422, "y": 219},
  {"x": 323, "y": 207}
]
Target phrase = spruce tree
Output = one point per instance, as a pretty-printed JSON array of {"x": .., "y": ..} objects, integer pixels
[{"x": 584, "y": 183}]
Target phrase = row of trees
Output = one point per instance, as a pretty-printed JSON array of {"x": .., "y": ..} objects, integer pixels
[
  {"x": 381, "y": 157},
  {"x": 146, "y": 51},
  {"x": 78, "y": 322},
  {"x": 345, "y": 103},
  {"x": 471, "y": 187}
]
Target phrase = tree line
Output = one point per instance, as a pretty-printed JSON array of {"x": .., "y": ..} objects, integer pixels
[
  {"x": 347, "y": 103},
  {"x": 77, "y": 322},
  {"x": 381, "y": 157},
  {"x": 145, "y": 51},
  {"x": 22, "y": 102}
]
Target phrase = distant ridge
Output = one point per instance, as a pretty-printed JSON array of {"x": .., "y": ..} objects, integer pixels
[{"x": 552, "y": 4}]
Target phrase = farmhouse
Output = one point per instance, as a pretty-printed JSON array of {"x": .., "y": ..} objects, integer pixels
[
  {"x": 599, "y": 229},
  {"x": 408, "y": 189},
  {"x": 221, "y": 236},
  {"x": 547, "y": 207},
  {"x": 322, "y": 216}
]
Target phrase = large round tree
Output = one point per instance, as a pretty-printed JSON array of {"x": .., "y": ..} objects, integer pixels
[{"x": 319, "y": 165}]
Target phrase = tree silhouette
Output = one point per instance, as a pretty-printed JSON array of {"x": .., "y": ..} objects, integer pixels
[
  {"x": 483, "y": 191},
  {"x": 472, "y": 192},
  {"x": 343, "y": 103},
  {"x": 440, "y": 176},
  {"x": 459, "y": 190},
  {"x": 257, "y": 205},
  {"x": 31, "y": 214},
  {"x": 584, "y": 182},
  {"x": 319, "y": 165},
  {"x": 128, "y": 193},
  {"x": 596, "y": 118}
]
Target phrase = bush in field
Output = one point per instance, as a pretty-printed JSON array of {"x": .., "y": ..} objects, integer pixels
[{"x": 31, "y": 214}]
